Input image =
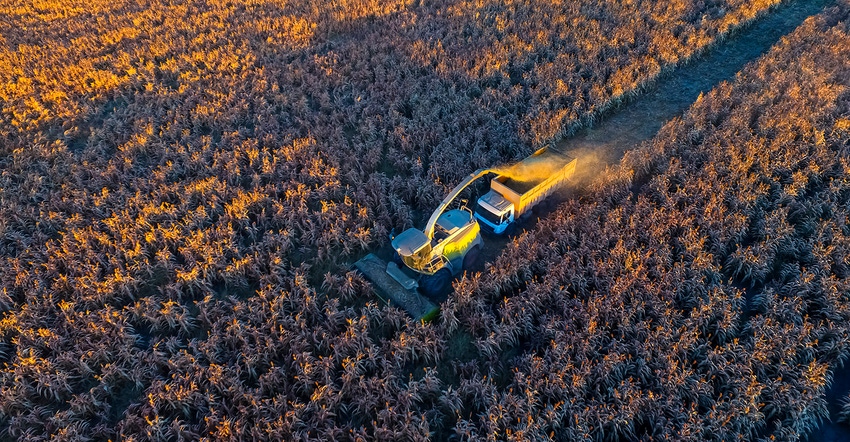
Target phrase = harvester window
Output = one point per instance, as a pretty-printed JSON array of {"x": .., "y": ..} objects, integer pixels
[{"x": 439, "y": 234}]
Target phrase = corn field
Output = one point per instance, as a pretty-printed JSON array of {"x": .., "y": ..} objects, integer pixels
[{"x": 183, "y": 187}]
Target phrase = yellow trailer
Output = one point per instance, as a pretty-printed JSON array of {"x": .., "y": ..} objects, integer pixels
[{"x": 519, "y": 188}]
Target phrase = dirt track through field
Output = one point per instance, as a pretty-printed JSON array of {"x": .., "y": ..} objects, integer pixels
[
  {"x": 624, "y": 127},
  {"x": 637, "y": 120}
]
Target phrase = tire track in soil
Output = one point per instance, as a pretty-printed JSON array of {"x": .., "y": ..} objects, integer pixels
[
  {"x": 638, "y": 119},
  {"x": 672, "y": 93}
]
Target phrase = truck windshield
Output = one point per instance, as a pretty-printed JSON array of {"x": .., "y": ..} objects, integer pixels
[{"x": 488, "y": 215}]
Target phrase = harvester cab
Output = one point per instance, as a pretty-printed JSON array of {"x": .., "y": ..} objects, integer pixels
[{"x": 455, "y": 233}]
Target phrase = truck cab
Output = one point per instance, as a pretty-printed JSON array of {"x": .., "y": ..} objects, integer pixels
[
  {"x": 494, "y": 212},
  {"x": 520, "y": 188}
]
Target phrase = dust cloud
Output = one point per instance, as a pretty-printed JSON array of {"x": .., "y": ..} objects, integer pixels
[
  {"x": 590, "y": 165},
  {"x": 536, "y": 168}
]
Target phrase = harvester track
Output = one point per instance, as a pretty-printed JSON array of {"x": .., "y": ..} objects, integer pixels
[{"x": 639, "y": 119}]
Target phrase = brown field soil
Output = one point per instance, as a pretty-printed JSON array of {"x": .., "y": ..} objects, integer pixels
[
  {"x": 622, "y": 128},
  {"x": 626, "y": 126}
]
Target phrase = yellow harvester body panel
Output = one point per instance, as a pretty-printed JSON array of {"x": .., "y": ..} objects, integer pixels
[{"x": 526, "y": 193}]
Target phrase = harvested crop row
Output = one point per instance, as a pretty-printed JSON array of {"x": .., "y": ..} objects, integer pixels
[{"x": 699, "y": 290}]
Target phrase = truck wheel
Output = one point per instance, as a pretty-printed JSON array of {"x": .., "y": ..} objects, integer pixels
[
  {"x": 436, "y": 284},
  {"x": 472, "y": 260}
]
